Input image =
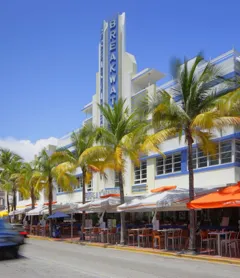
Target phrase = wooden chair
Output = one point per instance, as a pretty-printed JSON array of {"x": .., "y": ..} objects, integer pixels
[
  {"x": 157, "y": 237},
  {"x": 132, "y": 235},
  {"x": 209, "y": 241},
  {"x": 95, "y": 234},
  {"x": 112, "y": 235},
  {"x": 144, "y": 237},
  {"x": 176, "y": 238}
]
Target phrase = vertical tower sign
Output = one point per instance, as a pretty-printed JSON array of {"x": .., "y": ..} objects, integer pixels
[
  {"x": 112, "y": 61},
  {"x": 101, "y": 72}
]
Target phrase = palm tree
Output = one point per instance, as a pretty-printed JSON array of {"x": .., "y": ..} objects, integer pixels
[
  {"x": 11, "y": 164},
  {"x": 120, "y": 138},
  {"x": 82, "y": 140},
  {"x": 6, "y": 186},
  {"x": 49, "y": 171},
  {"x": 193, "y": 110},
  {"x": 27, "y": 183}
]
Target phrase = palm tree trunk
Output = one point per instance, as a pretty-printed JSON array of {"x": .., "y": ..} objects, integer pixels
[
  {"x": 32, "y": 198},
  {"x": 83, "y": 200},
  {"x": 14, "y": 200},
  {"x": 192, "y": 239},
  {"x": 122, "y": 214},
  {"x": 8, "y": 208},
  {"x": 8, "y": 204}
]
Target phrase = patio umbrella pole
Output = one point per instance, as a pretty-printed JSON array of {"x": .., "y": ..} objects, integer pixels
[
  {"x": 71, "y": 225},
  {"x": 31, "y": 224}
]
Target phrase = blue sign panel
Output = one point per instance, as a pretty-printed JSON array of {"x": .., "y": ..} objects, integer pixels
[
  {"x": 112, "y": 61},
  {"x": 101, "y": 74}
]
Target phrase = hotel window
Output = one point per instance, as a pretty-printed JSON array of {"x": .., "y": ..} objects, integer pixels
[
  {"x": 20, "y": 196},
  {"x": 170, "y": 164},
  {"x": 89, "y": 187},
  {"x": 60, "y": 189},
  {"x": 140, "y": 173},
  {"x": 223, "y": 155},
  {"x": 237, "y": 150},
  {"x": 80, "y": 183},
  {"x": 116, "y": 179}
]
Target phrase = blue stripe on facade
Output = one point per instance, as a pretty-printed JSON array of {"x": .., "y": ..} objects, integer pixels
[
  {"x": 235, "y": 135},
  {"x": 64, "y": 193},
  {"x": 206, "y": 169}
]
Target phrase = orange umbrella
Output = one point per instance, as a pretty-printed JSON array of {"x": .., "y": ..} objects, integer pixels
[
  {"x": 163, "y": 188},
  {"x": 226, "y": 197}
]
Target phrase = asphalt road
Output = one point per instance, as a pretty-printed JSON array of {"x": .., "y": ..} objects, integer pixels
[{"x": 56, "y": 259}]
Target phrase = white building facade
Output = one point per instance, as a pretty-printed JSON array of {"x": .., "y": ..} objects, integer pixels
[{"x": 117, "y": 77}]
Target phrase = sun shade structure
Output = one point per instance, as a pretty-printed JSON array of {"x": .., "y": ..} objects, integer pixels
[
  {"x": 156, "y": 201},
  {"x": 36, "y": 211},
  {"x": 170, "y": 200},
  {"x": 19, "y": 211},
  {"x": 225, "y": 197},
  {"x": 108, "y": 204},
  {"x": 58, "y": 214},
  {"x": 163, "y": 188}
]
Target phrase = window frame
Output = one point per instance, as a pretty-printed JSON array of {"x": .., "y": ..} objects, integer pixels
[
  {"x": 218, "y": 158},
  {"x": 142, "y": 168},
  {"x": 161, "y": 164}
]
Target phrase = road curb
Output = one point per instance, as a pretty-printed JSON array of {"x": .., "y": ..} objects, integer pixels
[{"x": 142, "y": 251}]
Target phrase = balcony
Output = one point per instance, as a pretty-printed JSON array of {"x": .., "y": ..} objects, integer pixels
[
  {"x": 88, "y": 108},
  {"x": 88, "y": 120}
]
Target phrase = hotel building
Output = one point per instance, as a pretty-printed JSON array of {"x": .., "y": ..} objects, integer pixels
[{"x": 117, "y": 77}]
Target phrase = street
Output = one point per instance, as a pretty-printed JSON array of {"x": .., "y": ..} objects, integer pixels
[{"x": 40, "y": 258}]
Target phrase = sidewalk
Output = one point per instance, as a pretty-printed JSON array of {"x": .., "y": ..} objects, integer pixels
[{"x": 208, "y": 258}]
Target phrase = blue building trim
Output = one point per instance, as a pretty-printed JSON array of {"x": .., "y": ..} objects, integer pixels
[
  {"x": 235, "y": 135},
  {"x": 141, "y": 187},
  {"x": 205, "y": 169},
  {"x": 65, "y": 193}
]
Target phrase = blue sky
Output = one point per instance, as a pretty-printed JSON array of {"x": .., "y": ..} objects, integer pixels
[{"x": 49, "y": 52}]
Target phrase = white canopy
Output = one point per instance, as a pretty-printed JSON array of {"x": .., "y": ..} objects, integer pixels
[
  {"x": 19, "y": 211},
  {"x": 109, "y": 204},
  {"x": 171, "y": 200},
  {"x": 36, "y": 211},
  {"x": 100, "y": 205}
]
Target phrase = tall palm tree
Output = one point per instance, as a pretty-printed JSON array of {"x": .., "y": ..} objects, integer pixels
[
  {"x": 27, "y": 182},
  {"x": 82, "y": 140},
  {"x": 6, "y": 186},
  {"x": 121, "y": 137},
  {"x": 192, "y": 110},
  {"x": 11, "y": 164},
  {"x": 50, "y": 171}
]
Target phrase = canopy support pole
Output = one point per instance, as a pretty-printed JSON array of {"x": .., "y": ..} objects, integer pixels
[{"x": 71, "y": 225}]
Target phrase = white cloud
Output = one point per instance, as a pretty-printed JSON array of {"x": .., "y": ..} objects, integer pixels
[{"x": 25, "y": 148}]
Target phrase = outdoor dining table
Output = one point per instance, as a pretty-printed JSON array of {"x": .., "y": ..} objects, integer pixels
[{"x": 219, "y": 234}]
